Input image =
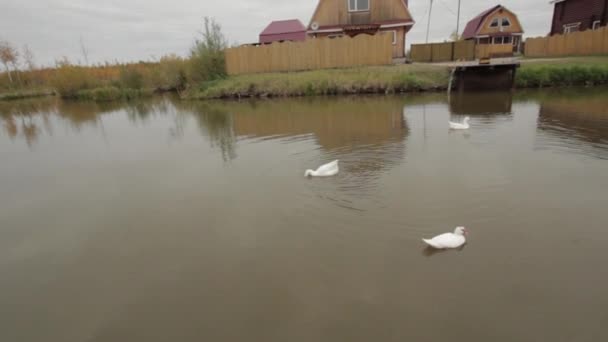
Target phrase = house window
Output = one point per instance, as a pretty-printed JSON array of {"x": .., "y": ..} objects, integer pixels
[
  {"x": 506, "y": 22},
  {"x": 483, "y": 41},
  {"x": 358, "y": 5},
  {"x": 494, "y": 22},
  {"x": 394, "y": 33},
  {"x": 596, "y": 24},
  {"x": 502, "y": 40},
  {"x": 570, "y": 28}
]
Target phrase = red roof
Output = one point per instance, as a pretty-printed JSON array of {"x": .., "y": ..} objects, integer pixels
[
  {"x": 284, "y": 26},
  {"x": 473, "y": 26}
]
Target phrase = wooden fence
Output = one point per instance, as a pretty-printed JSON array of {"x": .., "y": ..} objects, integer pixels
[
  {"x": 493, "y": 50},
  {"x": 319, "y": 53},
  {"x": 590, "y": 42},
  {"x": 443, "y": 52}
]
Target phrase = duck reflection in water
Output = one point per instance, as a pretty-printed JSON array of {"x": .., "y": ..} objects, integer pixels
[{"x": 430, "y": 251}]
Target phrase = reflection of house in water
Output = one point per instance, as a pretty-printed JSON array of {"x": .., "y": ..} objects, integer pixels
[
  {"x": 486, "y": 103},
  {"x": 342, "y": 127},
  {"x": 335, "y": 123},
  {"x": 371, "y": 131},
  {"x": 583, "y": 117}
]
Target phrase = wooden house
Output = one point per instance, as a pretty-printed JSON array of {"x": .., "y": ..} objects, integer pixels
[
  {"x": 578, "y": 15},
  {"x": 283, "y": 30},
  {"x": 335, "y": 18},
  {"x": 495, "y": 26}
]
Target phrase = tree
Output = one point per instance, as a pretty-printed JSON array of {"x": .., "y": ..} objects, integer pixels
[
  {"x": 455, "y": 36},
  {"x": 8, "y": 57},
  {"x": 207, "y": 54},
  {"x": 84, "y": 51},
  {"x": 28, "y": 58}
]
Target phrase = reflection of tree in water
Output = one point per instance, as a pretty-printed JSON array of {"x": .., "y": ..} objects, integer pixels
[
  {"x": 10, "y": 126},
  {"x": 143, "y": 109},
  {"x": 215, "y": 122},
  {"x": 368, "y": 130},
  {"x": 24, "y": 118},
  {"x": 19, "y": 118},
  {"x": 79, "y": 114}
]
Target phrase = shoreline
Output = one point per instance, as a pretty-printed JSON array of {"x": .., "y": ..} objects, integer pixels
[
  {"x": 26, "y": 94},
  {"x": 401, "y": 79},
  {"x": 380, "y": 80}
]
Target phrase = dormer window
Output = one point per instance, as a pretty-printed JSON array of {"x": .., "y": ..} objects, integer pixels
[{"x": 358, "y": 5}]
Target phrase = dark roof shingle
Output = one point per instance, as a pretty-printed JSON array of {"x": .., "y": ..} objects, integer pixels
[
  {"x": 284, "y": 26},
  {"x": 470, "y": 31}
]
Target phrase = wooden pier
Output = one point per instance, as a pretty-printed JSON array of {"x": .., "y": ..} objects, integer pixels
[{"x": 495, "y": 74}]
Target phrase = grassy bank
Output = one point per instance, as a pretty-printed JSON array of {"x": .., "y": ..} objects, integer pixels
[
  {"x": 112, "y": 94},
  {"x": 534, "y": 73},
  {"x": 363, "y": 80},
  {"x": 127, "y": 82},
  {"x": 25, "y": 94},
  {"x": 562, "y": 72},
  {"x": 115, "y": 81}
]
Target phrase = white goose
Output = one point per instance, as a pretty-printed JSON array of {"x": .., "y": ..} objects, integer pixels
[
  {"x": 448, "y": 240},
  {"x": 463, "y": 125},
  {"x": 329, "y": 169}
]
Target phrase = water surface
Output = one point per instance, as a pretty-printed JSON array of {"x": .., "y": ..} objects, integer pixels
[{"x": 191, "y": 221}]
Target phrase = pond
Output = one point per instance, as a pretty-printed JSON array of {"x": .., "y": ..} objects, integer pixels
[{"x": 163, "y": 220}]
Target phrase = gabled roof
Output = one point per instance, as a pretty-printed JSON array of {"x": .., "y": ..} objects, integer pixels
[
  {"x": 284, "y": 26},
  {"x": 473, "y": 26},
  {"x": 405, "y": 4}
]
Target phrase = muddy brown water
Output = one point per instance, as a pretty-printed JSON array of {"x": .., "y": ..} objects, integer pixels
[{"x": 192, "y": 221}]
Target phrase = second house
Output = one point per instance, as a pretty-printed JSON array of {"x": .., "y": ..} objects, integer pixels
[{"x": 335, "y": 18}]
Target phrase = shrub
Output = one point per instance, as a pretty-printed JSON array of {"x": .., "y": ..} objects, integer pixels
[
  {"x": 111, "y": 94},
  {"x": 68, "y": 79},
  {"x": 131, "y": 78},
  {"x": 207, "y": 60},
  {"x": 172, "y": 73}
]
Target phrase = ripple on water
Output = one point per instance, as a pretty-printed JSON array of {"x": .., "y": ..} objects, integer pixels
[{"x": 361, "y": 168}]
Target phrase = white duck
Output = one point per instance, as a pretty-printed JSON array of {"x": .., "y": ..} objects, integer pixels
[
  {"x": 463, "y": 125},
  {"x": 448, "y": 240},
  {"x": 329, "y": 169}
]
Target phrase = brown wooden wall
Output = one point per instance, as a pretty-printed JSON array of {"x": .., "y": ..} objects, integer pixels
[
  {"x": 463, "y": 50},
  {"x": 443, "y": 52},
  {"x": 493, "y": 50},
  {"x": 514, "y": 28},
  {"x": 335, "y": 12},
  {"x": 319, "y": 53},
  {"x": 584, "y": 12},
  {"x": 398, "y": 48},
  {"x": 590, "y": 42}
]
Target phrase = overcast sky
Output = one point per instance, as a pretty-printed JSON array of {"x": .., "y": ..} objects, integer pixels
[{"x": 131, "y": 30}]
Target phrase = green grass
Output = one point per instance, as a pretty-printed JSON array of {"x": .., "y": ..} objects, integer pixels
[
  {"x": 565, "y": 61},
  {"x": 111, "y": 94},
  {"x": 562, "y": 72},
  {"x": 25, "y": 94},
  {"x": 362, "y": 80}
]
